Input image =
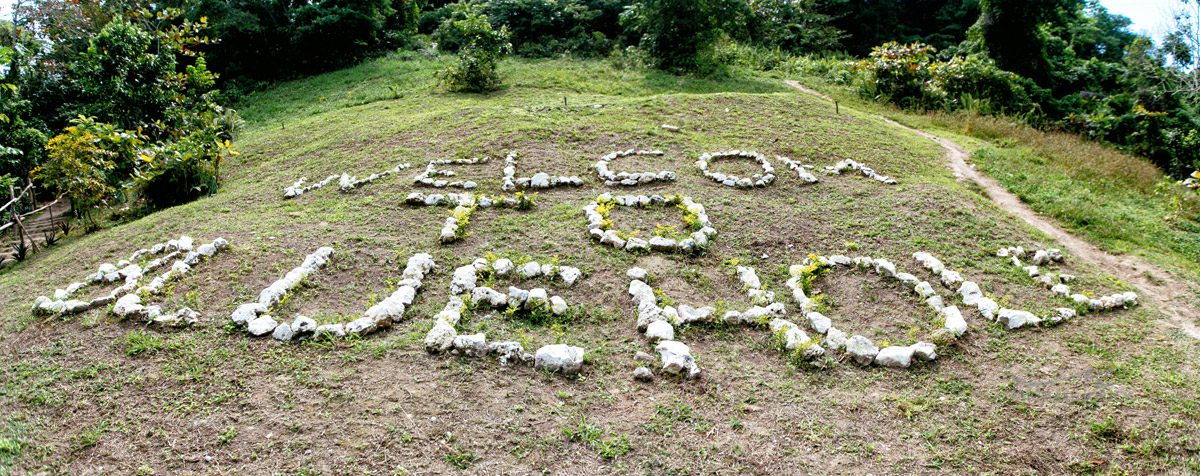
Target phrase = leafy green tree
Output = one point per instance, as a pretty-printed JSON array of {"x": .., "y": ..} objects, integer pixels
[
  {"x": 482, "y": 47},
  {"x": 1182, "y": 47},
  {"x": 21, "y": 142},
  {"x": 792, "y": 25},
  {"x": 140, "y": 90},
  {"x": 867, "y": 23},
  {"x": 331, "y": 33},
  {"x": 1009, "y": 31},
  {"x": 264, "y": 40},
  {"x": 543, "y": 28},
  {"x": 83, "y": 162},
  {"x": 679, "y": 35}
]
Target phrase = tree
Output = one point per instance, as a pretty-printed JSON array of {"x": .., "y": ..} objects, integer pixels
[
  {"x": 482, "y": 47},
  {"x": 21, "y": 141},
  {"x": 679, "y": 35},
  {"x": 334, "y": 33},
  {"x": 792, "y": 25},
  {"x": 264, "y": 40},
  {"x": 867, "y": 23},
  {"x": 1009, "y": 31},
  {"x": 542, "y": 28},
  {"x": 82, "y": 161},
  {"x": 1182, "y": 45}
]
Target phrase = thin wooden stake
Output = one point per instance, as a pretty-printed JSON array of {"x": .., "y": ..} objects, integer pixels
[{"x": 22, "y": 233}]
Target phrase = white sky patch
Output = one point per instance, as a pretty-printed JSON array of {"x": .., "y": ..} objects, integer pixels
[{"x": 1150, "y": 17}]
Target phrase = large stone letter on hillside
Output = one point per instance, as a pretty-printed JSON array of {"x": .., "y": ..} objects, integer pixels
[
  {"x": 537, "y": 303},
  {"x": 259, "y": 322},
  {"x": 129, "y": 272}
]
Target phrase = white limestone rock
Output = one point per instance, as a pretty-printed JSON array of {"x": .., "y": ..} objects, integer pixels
[
  {"x": 930, "y": 263},
  {"x": 951, "y": 279},
  {"x": 569, "y": 274},
  {"x": 463, "y": 280},
  {"x": 861, "y": 349},
  {"x": 818, "y": 322},
  {"x": 474, "y": 345},
  {"x": 924, "y": 289},
  {"x": 954, "y": 321},
  {"x": 748, "y": 278},
  {"x": 247, "y": 312},
  {"x": 661, "y": 243},
  {"x": 835, "y": 339},
  {"x": 559, "y": 358},
  {"x": 558, "y": 306},
  {"x": 362, "y": 325},
  {"x": 970, "y": 292},
  {"x": 283, "y": 332},
  {"x": 643, "y": 374},
  {"x": 660, "y": 330},
  {"x": 331, "y": 330},
  {"x": 895, "y": 356},
  {"x": 636, "y": 273},
  {"x": 486, "y": 296},
  {"x": 636, "y": 244},
  {"x": 509, "y": 352},
  {"x": 688, "y": 314},
  {"x": 261, "y": 325},
  {"x": 440, "y": 338},
  {"x": 924, "y": 351},
  {"x": 503, "y": 266},
  {"x": 885, "y": 268},
  {"x": 303, "y": 325},
  {"x": 1013, "y": 319},
  {"x": 530, "y": 270},
  {"x": 987, "y": 307},
  {"x": 127, "y": 305},
  {"x": 677, "y": 358}
]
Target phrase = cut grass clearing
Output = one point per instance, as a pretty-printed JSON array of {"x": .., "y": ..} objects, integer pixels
[{"x": 212, "y": 400}]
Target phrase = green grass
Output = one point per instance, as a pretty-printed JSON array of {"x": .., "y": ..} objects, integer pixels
[
  {"x": 93, "y": 389},
  {"x": 461, "y": 459},
  {"x": 12, "y": 444},
  {"x": 1159, "y": 223},
  {"x": 142, "y": 342},
  {"x": 1121, "y": 203}
]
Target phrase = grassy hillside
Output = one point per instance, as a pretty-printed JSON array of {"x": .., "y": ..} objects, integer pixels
[
  {"x": 91, "y": 394},
  {"x": 1121, "y": 203}
]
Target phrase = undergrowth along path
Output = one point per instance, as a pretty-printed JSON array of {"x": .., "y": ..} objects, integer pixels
[{"x": 1163, "y": 290}]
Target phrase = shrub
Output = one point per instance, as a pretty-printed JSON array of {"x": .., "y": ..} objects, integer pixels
[
  {"x": 183, "y": 170},
  {"x": 83, "y": 163},
  {"x": 911, "y": 76},
  {"x": 899, "y": 73},
  {"x": 482, "y": 47},
  {"x": 963, "y": 78},
  {"x": 792, "y": 25},
  {"x": 679, "y": 35},
  {"x": 159, "y": 130},
  {"x": 543, "y": 28}
]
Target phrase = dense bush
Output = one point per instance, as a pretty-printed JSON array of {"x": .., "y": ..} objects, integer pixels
[
  {"x": 266, "y": 40},
  {"x": 679, "y": 35},
  {"x": 85, "y": 163},
  {"x": 540, "y": 28},
  {"x": 912, "y": 76},
  {"x": 790, "y": 25},
  {"x": 144, "y": 117},
  {"x": 551, "y": 27},
  {"x": 21, "y": 142},
  {"x": 482, "y": 47}
]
